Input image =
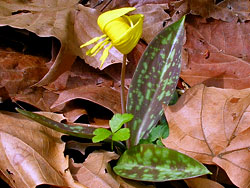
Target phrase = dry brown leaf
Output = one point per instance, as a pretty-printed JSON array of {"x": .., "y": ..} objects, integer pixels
[
  {"x": 32, "y": 154},
  {"x": 93, "y": 173},
  {"x": 103, "y": 96},
  {"x": 65, "y": 20},
  {"x": 86, "y": 28},
  {"x": 217, "y": 53},
  {"x": 81, "y": 147},
  {"x": 38, "y": 97},
  {"x": 154, "y": 17},
  {"x": 126, "y": 183},
  {"x": 19, "y": 71},
  {"x": 81, "y": 74},
  {"x": 226, "y": 10},
  {"x": 202, "y": 182},
  {"x": 213, "y": 126},
  {"x": 46, "y": 19},
  {"x": 108, "y": 5}
]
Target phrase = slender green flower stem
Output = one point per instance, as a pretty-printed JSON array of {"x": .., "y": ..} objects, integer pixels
[
  {"x": 123, "y": 72},
  {"x": 123, "y": 96}
]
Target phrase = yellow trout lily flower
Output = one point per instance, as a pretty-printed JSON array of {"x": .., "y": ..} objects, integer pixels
[{"x": 120, "y": 30}]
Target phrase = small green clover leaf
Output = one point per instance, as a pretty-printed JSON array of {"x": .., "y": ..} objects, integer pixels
[
  {"x": 121, "y": 135},
  {"x": 117, "y": 133},
  {"x": 100, "y": 135},
  {"x": 118, "y": 120}
]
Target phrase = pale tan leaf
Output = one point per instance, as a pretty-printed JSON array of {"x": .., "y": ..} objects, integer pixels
[
  {"x": 32, "y": 154},
  {"x": 94, "y": 171},
  {"x": 213, "y": 126},
  {"x": 86, "y": 28},
  {"x": 202, "y": 182}
]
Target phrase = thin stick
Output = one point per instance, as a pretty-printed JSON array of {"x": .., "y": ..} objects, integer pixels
[{"x": 123, "y": 72}]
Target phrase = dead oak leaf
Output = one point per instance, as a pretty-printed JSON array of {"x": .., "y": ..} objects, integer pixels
[
  {"x": 202, "y": 182},
  {"x": 32, "y": 154},
  {"x": 216, "y": 53},
  {"x": 226, "y": 10},
  {"x": 65, "y": 20},
  {"x": 94, "y": 171},
  {"x": 101, "y": 95},
  {"x": 19, "y": 71},
  {"x": 213, "y": 126}
]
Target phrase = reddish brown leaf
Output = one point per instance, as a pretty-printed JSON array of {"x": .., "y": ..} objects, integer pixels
[
  {"x": 102, "y": 95},
  {"x": 154, "y": 19},
  {"x": 68, "y": 24},
  {"x": 213, "y": 126},
  {"x": 217, "y": 53},
  {"x": 226, "y": 10},
  {"x": 37, "y": 97},
  {"x": 136, "y": 3},
  {"x": 19, "y": 71},
  {"x": 108, "y": 5}
]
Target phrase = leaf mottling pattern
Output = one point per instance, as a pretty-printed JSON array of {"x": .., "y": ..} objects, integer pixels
[
  {"x": 148, "y": 162},
  {"x": 155, "y": 80},
  {"x": 214, "y": 128}
]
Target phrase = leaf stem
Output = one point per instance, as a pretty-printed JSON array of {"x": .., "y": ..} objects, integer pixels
[
  {"x": 123, "y": 97},
  {"x": 123, "y": 73}
]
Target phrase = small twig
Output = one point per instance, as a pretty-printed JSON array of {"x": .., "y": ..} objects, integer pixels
[
  {"x": 98, "y": 3},
  {"x": 106, "y": 5}
]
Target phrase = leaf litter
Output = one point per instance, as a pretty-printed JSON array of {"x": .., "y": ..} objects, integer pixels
[
  {"x": 200, "y": 65},
  {"x": 215, "y": 124}
]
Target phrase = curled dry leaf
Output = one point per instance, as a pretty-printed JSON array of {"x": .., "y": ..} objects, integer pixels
[
  {"x": 213, "y": 126},
  {"x": 65, "y": 20},
  {"x": 226, "y": 10},
  {"x": 32, "y": 154},
  {"x": 94, "y": 171},
  {"x": 19, "y": 71},
  {"x": 202, "y": 182},
  {"x": 103, "y": 96},
  {"x": 38, "y": 97},
  {"x": 86, "y": 28},
  {"x": 216, "y": 53},
  {"x": 46, "y": 19}
]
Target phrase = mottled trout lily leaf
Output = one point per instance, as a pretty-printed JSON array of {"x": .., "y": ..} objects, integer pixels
[
  {"x": 78, "y": 131},
  {"x": 149, "y": 162},
  {"x": 155, "y": 80}
]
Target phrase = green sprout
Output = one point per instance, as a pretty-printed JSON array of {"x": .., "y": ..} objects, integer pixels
[{"x": 117, "y": 133}]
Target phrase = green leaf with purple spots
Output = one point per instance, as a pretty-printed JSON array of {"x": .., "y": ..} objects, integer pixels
[
  {"x": 155, "y": 80},
  {"x": 77, "y": 131},
  {"x": 149, "y": 162}
]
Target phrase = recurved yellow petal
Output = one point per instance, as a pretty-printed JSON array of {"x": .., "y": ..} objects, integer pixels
[
  {"x": 108, "y": 16},
  {"x": 130, "y": 38}
]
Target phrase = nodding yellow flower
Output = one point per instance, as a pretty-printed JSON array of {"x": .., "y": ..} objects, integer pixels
[{"x": 120, "y": 30}]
